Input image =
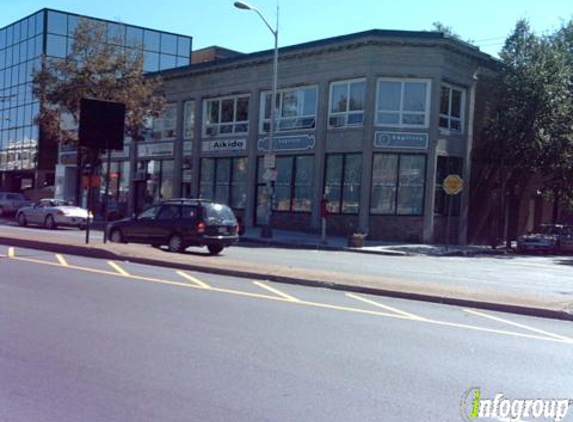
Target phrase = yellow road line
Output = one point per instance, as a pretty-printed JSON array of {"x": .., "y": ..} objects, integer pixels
[
  {"x": 275, "y": 291},
  {"x": 388, "y": 308},
  {"x": 516, "y": 324},
  {"x": 304, "y": 303},
  {"x": 118, "y": 268},
  {"x": 192, "y": 279},
  {"x": 61, "y": 260},
  {"x": 11, "y": 252}
]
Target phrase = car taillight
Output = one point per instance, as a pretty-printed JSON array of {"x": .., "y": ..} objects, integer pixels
[{"x": 200, "y": 227}]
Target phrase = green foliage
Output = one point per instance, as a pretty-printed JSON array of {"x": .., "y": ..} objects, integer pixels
[
  {"x": 533, "y": 129},
  {"x": 94, "y": 69}
]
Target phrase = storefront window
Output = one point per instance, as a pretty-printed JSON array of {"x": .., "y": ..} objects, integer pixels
[
  {"x": 224, "y": 180},
  {"x": 293, "y": 187},
  {"x": 398, "y": 182},
  {"x": 159, "y": 181},
  {"x": 342, "y": 183}
]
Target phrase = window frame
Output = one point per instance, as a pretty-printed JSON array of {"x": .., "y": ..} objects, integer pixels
[
  {"x": 397, "y": 185},
  {"x": 292, "y": 186},
  {"x": 206, "y": 126},
  {"x": 449, "y": 117},
  {"x": 345, "y": 114},
  {"x": 162, "y": 129},
  {"x": 189, "y": 127},
  {"x": 231, "y": 181},
  {"x": 342, "y": 182},
  {"x": 278, "y": 116},
  {"x": 401, "y": 112}
]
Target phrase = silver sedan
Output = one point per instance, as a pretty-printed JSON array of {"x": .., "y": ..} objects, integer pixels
[{"x": 52, "y": 213}]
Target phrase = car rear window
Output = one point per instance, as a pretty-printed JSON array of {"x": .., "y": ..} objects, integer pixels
[{"x": 219, "y": 214}]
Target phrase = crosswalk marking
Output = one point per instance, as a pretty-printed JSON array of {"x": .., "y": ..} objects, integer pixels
[
  {"x": 194, "y": 280},
  {"x": 61, "y": 260},
  {"x": 118, "y": 268},
  {"x": 275, "y": 291},
  {"x": 388, "y": 308},
  {"x": 516, "y": 324}
]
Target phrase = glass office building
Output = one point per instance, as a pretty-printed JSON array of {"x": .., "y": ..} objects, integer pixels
[{"x": 24, "y": 162}]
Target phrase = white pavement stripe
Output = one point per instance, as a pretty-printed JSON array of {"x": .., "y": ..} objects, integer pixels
[
  {"x": 388, "y": 308},
  {"x": 11, "y": 252},
  {"x": 275, "y": 291},
  {"x": 61, "y": 260},
  {"x": 516, "y": 324},
  {"x": 194, "y": 280},
  {"x": 118, "y": 268}
]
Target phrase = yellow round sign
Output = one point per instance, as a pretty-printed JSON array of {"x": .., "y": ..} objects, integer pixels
[{"x": 453, "y": 184}]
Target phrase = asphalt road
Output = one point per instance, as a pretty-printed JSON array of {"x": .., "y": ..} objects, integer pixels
[
  {"x": 528, "y": 274},
  {"x": 89, "y": 340}
]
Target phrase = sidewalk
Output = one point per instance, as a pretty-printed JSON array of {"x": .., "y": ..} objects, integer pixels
[
  {"x": 301, "y": 240},
  {"x": 494, "y": 297}
]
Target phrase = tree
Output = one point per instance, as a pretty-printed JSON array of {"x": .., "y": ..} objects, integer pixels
[
  {"x": 530, "y": 134},
  {"x": 95, "y": 68}
]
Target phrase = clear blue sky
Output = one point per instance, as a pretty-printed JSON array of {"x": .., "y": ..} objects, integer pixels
[{"x": 217, "y": 22}]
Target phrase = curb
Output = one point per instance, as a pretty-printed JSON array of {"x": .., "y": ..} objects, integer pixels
[
  {"x": 104, "y": 254},
  {"x": 318, "y": 246}
]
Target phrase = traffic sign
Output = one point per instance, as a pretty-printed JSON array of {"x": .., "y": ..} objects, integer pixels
[
  {"x": 453, "y": 184},
  {"x": 270, "y": 161}
]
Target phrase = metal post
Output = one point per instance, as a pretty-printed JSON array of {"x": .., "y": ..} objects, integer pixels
[
  {"x": 106, "y": 195},
  {"x": 450, "y": 198},
  {"x": 267, "y": 230}
]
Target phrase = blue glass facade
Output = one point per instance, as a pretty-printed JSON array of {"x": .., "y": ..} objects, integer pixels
[{"x": 50, "y": 33}]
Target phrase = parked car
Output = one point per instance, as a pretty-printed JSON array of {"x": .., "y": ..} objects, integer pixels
[
  {"x": 179, "y": 223},
  {"x": 566, "y": 240},
  {"x": 52, "y": 213},
  {"x": 11, "y": 202},
  {"x": 546, "y": 238}
]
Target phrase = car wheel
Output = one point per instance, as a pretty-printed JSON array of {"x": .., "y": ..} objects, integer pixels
[
  {"x": 22, "y": 220},
  {"x": 175, "y": 243},
  {"x": 49, "y": 223},
  {"x": 215, "y": 249},
  {"x": 116, "y": 236}
]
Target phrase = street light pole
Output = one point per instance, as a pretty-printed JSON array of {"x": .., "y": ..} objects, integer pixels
[{"x": 267, "y": 230}]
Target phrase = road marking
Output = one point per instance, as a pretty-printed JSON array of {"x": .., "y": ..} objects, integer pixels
[
  {"x": 516, "y": 324},
  {"x": 388, "y": 308},
  {"x": 275, "y": 291},
  {"x": 304, "y": 303},
  {"x": 11, "y": 252},
  {"x": 61, "y": 260},
  {"x": 118, "y": 268},
  {"x": 192, "y": 279}
]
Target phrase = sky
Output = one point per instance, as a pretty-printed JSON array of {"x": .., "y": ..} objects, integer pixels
[{"x": 218, "y": 22}]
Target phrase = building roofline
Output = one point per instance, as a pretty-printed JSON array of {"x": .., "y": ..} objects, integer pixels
[
  {"x": 325, "y": 42},
  {"x": 48, "y": 9}
]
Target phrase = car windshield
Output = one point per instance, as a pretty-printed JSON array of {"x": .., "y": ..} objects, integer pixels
[
  {"x": 60, "y": 203},
  {"x": 219, "y": 214}
]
